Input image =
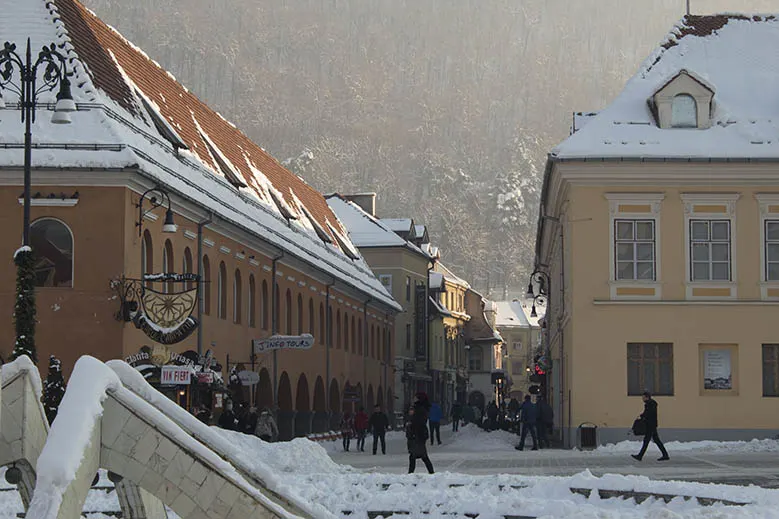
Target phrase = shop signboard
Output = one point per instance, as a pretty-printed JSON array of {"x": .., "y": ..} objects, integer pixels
[
  {"x": 283, "y": 342},
  {"x": 175, "y": 376},
  {"x": 249, "y": 378},
  {"x": 205, "y": 377}
]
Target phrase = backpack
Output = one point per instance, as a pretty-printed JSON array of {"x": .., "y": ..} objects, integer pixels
[{"x": 639, "y": 427}]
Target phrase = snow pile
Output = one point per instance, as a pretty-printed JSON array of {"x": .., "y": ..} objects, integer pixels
[
  {"x": 70, "y": 434},
  {"x": 472, "y": 438},
  {"x": 299, "y": 456},
  {"x": 23, "y": 365},
  {"x": 755, "y": 445}
]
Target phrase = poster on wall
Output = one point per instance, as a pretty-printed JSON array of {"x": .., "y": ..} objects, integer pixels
[{"x": 717, "y": 370}]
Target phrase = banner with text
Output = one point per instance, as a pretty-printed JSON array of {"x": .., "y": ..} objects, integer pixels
[{"x": 283, "y": 342}]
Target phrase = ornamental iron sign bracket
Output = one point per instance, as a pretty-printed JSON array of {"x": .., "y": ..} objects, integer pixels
[{"x": 163, "y": 312}]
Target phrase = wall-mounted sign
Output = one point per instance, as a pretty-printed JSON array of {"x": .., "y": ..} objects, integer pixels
[
  {"x": 282, "y": 342},
  {"x": 205, "y": 378},
  {"x": 150, "y": 360},
  {"x": 248, "y": 378},
  {"x": 717, "y": 370},
  {"x": 175, "y": 376}
]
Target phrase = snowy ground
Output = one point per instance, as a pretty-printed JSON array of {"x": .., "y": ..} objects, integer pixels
[{"x": 481, "y": 473}]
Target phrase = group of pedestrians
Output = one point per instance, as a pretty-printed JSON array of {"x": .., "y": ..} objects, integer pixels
[
  {"x": 248, "y": 421},
  {"x": 537, "y": 419},
  {"x": 360, "y": 425}
]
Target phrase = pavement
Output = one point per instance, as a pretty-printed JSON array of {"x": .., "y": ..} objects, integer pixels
[{"x": 735, "y": 468}]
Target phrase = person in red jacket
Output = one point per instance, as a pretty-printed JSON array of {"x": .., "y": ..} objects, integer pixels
[{"x": 361, "y": 427}]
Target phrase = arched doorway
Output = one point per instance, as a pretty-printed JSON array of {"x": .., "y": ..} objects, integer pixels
[
  {"x": 380, "y": 399},
  {"x": 302, "y": 408},
  {"x": 264, "y": 396},
  {"x": 335, "y": 405},
  {"x": 320, "y": 421},
  {"x": 286, "y": 414},
  {"x": 369, "y": 398}
]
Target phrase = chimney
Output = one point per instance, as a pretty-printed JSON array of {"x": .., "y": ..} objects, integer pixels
[{"x": 367, "y": 201}]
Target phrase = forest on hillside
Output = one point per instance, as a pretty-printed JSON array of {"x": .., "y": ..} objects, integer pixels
[{"x": 445, "y": 108}]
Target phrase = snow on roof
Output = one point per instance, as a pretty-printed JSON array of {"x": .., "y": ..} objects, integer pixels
[
  {"x": 451, "y": 276},
  {"x": 515, "y": 314},
  {"x": 732, "y": 54},
  {"x": 398, "y": 224},
  {"x": 113, "y": 130}
]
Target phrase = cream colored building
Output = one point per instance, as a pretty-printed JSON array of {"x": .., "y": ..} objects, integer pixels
[
  {"x": 521, "y": 342},
  {"x": 659, "y": 230}
]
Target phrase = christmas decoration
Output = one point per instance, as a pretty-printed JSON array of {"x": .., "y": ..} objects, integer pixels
[
  {"x": 24, "y": 309},
  {"x": 53, "y": 389}
]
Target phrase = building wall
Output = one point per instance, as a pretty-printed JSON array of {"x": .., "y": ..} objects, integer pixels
[{"x": 605, "y": 316}]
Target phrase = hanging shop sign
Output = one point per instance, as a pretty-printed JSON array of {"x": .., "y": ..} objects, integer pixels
[
  {"x": 282, "y": 342},
  {"x": 150, "y": 361},
  {"x": 160, "y": 304},
  {"x": 205, "y": 378},
  {"x": 248, "y": 378},
  {"x": 175, "y": 376}
]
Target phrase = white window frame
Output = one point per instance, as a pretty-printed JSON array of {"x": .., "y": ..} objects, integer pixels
[
  {"x": 710, "y": 242},
  {"x": 388, "y": 278},
  {"x": 768, "y": 204},
  {"x": 616, "y": 201},
  {"x": 728, "y": 201}
]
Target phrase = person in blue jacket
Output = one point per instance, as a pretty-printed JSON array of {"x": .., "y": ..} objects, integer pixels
[
  {"x": 528, "y": 415},
  {"x": 434, "y": 419}
]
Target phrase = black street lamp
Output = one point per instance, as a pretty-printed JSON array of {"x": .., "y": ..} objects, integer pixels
[
  {"x": 541, "y": 298},
  {"x": 157, "y": 198},
  {"x": 55, "y": 73}
]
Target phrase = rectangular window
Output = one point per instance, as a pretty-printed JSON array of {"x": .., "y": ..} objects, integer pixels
[
  {"x": 710, "y": 257},
  {"x": 772, "y": 250},
  {"x": 408, "y": 337},
  {"x": 386, "y": 281},
  {"x": 408, "y": 288},
  {"x": 770, "y": 369},
  {"x": 634, "y": 250},
  {"x": 650, "y": 368},
  {"x": 517, "y": 346}
]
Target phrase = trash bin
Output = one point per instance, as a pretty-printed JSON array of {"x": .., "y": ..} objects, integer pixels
[{"x": 588, "y": 435}]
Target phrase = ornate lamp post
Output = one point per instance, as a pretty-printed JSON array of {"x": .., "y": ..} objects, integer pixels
[
  {"x": 157, "y": 198},
  {"x": 541, "y": 279},
  {"x": 55, "y": 73}
]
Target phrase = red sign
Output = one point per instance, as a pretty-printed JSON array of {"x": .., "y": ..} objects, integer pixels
[
  {"x": 205, "y": 378},
  {"x": 175, "y": 376}
]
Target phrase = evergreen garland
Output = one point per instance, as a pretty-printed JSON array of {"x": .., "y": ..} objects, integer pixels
[
  {"x": 53, "y": 389},
  {"x": 24, "y": 309}
]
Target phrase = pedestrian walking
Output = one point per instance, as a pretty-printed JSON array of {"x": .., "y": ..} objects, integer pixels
[
  {"x": 435, "y": 422},
  {"x": 492, "y": 416},
  {"x": 649, "y": 417},
  {"x": 266, "y": 428},
  {"x": 361, "y": 428},
  {"x": 416, "y": 438},
  {"x": 227, "y": 419},
  {"x": 544, "y": 421},
  {"x": 528, "y": 415},
  {"x": 347, "y": 430},
  {"x": 378, "y": 424},
  {"x": 456, "y": 414}
]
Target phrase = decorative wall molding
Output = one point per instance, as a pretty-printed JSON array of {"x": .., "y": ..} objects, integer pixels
[{"x": 54, "y": 202}]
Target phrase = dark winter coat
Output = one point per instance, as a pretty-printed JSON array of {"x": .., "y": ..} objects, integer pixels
[
  {"x": 435, "y": 413},
  {"x": 417, "y": 435},
  {"x": 529, "y": 412},
  {"x": 545, "y": 413},
  {"x": 204, "y": 415},
  {"x": 492, "y": 412},
  {"x": 514, "y": 405},
  {"x": 650, "y": 414},
  {"x": 227, "y": 420},
  {"x": 457, "y": 411},
  {"x": 347, "y": 426},
  {"x": 249, "y": 423},
  {"x": 378, "y": 423},
  {"x": 361, "y": 421}
]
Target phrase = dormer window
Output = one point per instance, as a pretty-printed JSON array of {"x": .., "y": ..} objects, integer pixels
[
  {"x": 684, "y": 101},
  {"x": 684, "y": 111}
]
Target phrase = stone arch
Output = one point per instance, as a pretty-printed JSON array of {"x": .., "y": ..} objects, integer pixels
[
  {"x": 335, "y": 404},
  {"x": 369, "y": 397},
  {"x": 320, "y": 419},
  {"x": 286, "y": 412},
  {"x": 264, "y": 397},
  {"x": 302, "y": 407}
]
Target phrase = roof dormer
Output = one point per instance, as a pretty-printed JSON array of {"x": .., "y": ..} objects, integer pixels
[{"x": 684, "y": 101}]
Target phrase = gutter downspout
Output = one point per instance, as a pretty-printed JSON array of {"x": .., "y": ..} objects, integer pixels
[
  {"x": 201, "y": 296},
  {"x": 328, "y": 342},
  {"x": 275, "y": 327}
]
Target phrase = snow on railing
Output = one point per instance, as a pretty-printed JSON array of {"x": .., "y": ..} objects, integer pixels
[{"x": 23, "y": 364}]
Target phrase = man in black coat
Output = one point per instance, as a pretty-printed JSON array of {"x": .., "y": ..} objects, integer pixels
[
  {"x": 649, "y": 416},
  {"x": 378, "y": 423},
  {"x": 544, "y": 421},
  {"x": 416, "y": 437}
]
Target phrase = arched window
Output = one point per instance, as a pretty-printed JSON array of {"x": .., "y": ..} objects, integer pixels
[
  {"x": 52, "y": 247},
  {"x": 167, "y": 263},
  {"x": 288, "y": 313},
  {"x": 206, "y": 286},
  {"x": 300, "y": 314},
  {"x": 321, "y": 323},
  {"x": 187, "y": 266},
  {"x": 360, "y": 338},
  {"x": 221, "y": 291},
  {"x": 311, "y": 316},
  {"x": 252, "y": 313},
  {"x": 346, "y": 333},
  {"x": 684, "y": 112},
  {"x": 147, "y": 255},
  {"x": 264, "y": 305},
  {"x": 338, "y": 330},
  {"x": 237, "y": 297},
  {"x": 330, "y": 327}
]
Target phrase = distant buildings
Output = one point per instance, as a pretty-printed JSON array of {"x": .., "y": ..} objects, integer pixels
[
  {"x": 521, "y": 345},
  {"x": 659, "y": 229}
]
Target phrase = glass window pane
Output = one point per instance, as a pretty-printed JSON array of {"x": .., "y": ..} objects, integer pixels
[
  {"x": 720, "y": 271},
  {"x": 769, "y": 382},
  {"x": 772, "y": 230},
  {"x": 666, "y": 379},
  {"x": 645, "y": 230},
  {"x": 720, "y": 231},
  {"x": 773, "y": 272},
  {"x": 700, "y": 230},
  {"x": 634, "y": 350},
  {"x": 649, "y": 376},
  {"x": 625, "y": 251},
  {"x": 665, "y": 351},
  {"x": 649, "y": 351},
  {"x": 624, "y": 230},
  {"x": 684, "y": 113},
  {"x": 700, "y": 252},
  {"x": 700, "y": 271},
  {"x": 625, "y": 270},
  {"x": 720, "y": 251},
  {"x": 645, "y": 271},
  {"x": 52, "y": 246},
  {"x": 769, "y": 352},
  {"x": 634, "y": 378},
  {"x": 645, "y": 251},
  {"x": 772, "y": 251}
]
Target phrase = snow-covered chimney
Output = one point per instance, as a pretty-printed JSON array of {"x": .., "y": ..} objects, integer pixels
[{"x": 367, "y": 201}]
